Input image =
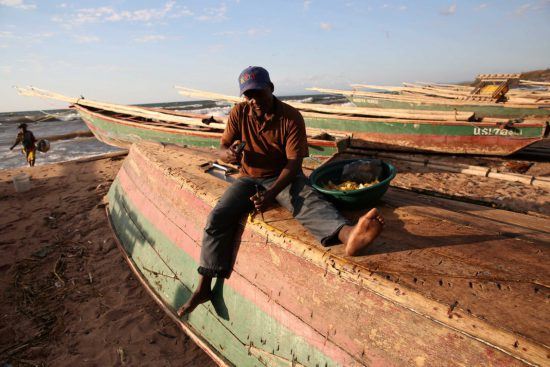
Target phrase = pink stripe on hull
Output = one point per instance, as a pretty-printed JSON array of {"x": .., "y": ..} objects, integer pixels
[
  {"x": 184, "y": 235},
  {"x": 182, "y": 208}
]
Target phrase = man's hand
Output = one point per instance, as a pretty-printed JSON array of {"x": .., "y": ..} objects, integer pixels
[
  {"x": 230, "y": 155},
  {"x": 262, "y": 200}
]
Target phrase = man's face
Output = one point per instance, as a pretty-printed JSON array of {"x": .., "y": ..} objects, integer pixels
[{"x": 260, "y": 100}]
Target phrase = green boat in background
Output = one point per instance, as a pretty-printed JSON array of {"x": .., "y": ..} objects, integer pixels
[
  {"x": 396, "y": 101},
  {"x": 481, "y": 110},
  {"x": 403, "y": 130},
  {"x": 123, "y": 125}
]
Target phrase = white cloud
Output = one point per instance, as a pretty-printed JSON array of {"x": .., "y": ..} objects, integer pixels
[
  {"x": 214, "y": 14},
  {"x": 481, "y": 6},
  {"x": 151, "y": 38},
  {"x": 180, "y": 12},
  {"x": 41, "y": 36},
  {"x": 449, "y": 11},
  {"x": 142, "y": 15},
  {"x": 307, "y": 3},
  {"x": 18, "y": 4},
  {"x": 326, "y": 26},
  {"x": 523, "y": 9},
  {"x": 24, "y": 40},
  {"x": 402, "y": 8},
  {"x": 86, "y": 39},
  {"x": 109, "y": 14},
  {"x": 532, "y": 7}
]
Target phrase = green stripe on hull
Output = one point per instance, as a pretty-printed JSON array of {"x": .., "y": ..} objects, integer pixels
[
  {"x": 155, "y": 255},
  {"x": 480, "y": 111},
  {"x": 397, "y": 128},
  {"x": 131, "y": 134}
]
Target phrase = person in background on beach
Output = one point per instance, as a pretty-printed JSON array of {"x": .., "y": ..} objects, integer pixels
[
  {"x": 27, "y": 139},
  {"x": 275, "y": 140}
]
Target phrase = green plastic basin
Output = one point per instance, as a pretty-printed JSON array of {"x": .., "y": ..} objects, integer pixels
[{"x": 354, "y": 199}]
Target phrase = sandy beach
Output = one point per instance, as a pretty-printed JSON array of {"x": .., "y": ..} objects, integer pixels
[{"x": 68, "y": 297}]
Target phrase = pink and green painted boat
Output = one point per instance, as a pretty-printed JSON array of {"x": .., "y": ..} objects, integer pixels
[
  {"x": 122, "y": 130},
  {"x": 485, "y": 137},
  {"x": 469, "y": 290}
]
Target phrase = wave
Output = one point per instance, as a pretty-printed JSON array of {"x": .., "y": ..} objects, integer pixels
[
  {"x": 69, "y": 116},
  {"x": 214, "y": 111},
  {"x": 301, "y": 100},
  {"x": 223, "y": 103}
]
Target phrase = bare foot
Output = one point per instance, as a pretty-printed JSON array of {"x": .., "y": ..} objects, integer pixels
[
  {"x": 368, "y": 227},
  {"x": 202, "y": 294}
]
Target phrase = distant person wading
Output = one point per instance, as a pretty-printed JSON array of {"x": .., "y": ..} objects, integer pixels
[{"x": 28, "y": 141}]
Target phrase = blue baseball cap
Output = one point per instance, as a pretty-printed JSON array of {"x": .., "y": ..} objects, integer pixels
[{"x": 253, "y": 77}]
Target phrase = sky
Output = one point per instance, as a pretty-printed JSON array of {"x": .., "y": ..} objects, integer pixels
[{"x": 136, "y": 51}]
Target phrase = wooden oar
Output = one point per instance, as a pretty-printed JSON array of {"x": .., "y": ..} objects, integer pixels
[
  {"x": 421, "y": 98},
  {"x": 343, "y": 110},
  {"x": 129, "y": 110},
  {"x": 529, "y": 82}
]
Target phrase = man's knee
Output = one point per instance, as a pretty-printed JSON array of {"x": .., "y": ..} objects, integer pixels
[{"x": 218, "y": 219}]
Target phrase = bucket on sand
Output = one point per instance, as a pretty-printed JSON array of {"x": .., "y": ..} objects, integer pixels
[{"x": 22, "y": 182}]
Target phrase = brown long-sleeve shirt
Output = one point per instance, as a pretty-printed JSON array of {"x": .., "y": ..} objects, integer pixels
[{"x": 269, "y": 144}]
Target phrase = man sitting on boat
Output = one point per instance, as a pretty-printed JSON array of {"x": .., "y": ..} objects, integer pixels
[{"x": 275, "y": 140}]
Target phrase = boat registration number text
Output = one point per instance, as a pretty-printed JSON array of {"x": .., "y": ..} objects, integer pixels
[{"x": 496, "y": 131}]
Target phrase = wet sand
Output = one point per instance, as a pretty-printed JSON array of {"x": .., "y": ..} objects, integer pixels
[{"x": 68, "y": 297}]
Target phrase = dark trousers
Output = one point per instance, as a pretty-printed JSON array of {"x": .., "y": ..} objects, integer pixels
[{"x": 308, "y": 206}]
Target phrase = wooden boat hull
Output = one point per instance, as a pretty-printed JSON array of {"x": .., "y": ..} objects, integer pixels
[
  {"x": 405, "y": 135},
  {"x": 291, "y": 302},
  {"x": 482, "y": 138},
  {"x": 123, "y": 133},
  {"x": 479, "y": 110}
]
